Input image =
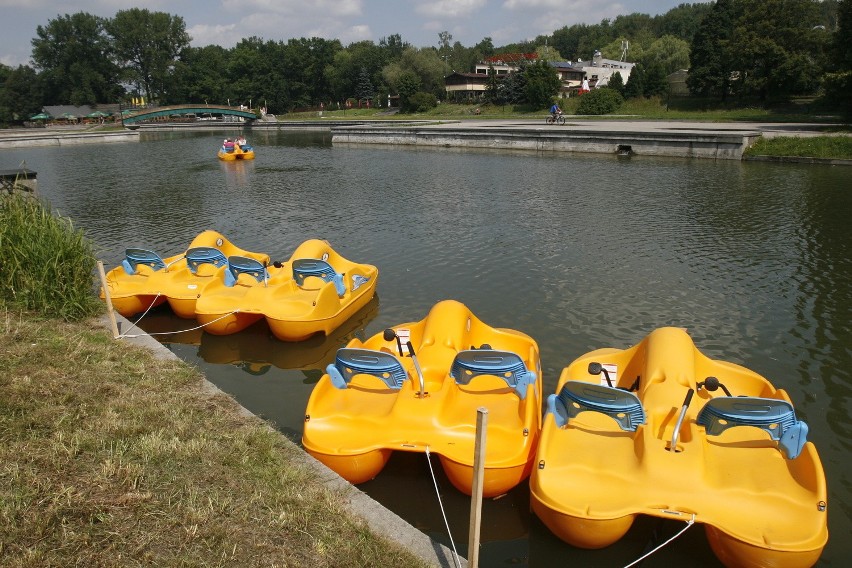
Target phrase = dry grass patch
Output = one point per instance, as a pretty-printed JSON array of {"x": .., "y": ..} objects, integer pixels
[{"x": 110, "y": 457}]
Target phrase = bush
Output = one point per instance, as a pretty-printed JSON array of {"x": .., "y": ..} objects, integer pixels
[
  {"x": 600, "y": 101},
  {"x": 47, "y": 265},
  {"x": 421, "y": 102}
]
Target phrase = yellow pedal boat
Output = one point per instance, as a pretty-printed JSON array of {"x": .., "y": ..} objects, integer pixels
[
  {"x": 237, "y": 149},
  {"x": 419, "y": 386},
  {"x": 313, "y": 292},
  {"x": 679, "y": 436},
  {"x": 144, "y": 279}
]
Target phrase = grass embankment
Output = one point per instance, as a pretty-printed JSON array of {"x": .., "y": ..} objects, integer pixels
[
  {"x": 826, "y": 147},
  {"x": 111, "y": 457}
]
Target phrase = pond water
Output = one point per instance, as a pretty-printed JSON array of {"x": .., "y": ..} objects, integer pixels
[{"x": 578, "y": 251}]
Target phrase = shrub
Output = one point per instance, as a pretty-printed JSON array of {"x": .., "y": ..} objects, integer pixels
[
  {"x": 600, "y": 101},
  {"x": 47, "y": 265},
  {"x": 422, "y": 102}
]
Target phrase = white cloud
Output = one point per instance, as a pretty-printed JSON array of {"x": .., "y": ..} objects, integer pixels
[
  {"x": 203, "y": 35},
  {"x": 449, "y": 8},
  {"x": 299, "y": 8}
]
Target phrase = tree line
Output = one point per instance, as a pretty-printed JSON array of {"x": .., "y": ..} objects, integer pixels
[{"x": 759, "y": 49}]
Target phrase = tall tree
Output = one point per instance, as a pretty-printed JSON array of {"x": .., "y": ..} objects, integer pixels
[
  {"x": 710, "y": 54},
  {"x": 148, "y": 44},
  {"x": 542, "y": 83},
  {"x": 20, "y": 93},
  {"x": 75, "y": 60}
]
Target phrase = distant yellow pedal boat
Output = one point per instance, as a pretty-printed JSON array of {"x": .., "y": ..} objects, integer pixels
[
  {"x": 660, "y": 429},
  {"x": 313, "y": 292},
  {"x": 418, "y": 386},
  {"x": 144, "y": 279},
  {"x": 237, "y": 149}
]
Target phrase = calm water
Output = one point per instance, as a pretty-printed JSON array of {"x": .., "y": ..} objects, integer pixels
[{"x": 580, "y": 252}]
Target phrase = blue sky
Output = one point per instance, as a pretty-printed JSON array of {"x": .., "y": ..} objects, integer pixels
[{"x": 417, "y": 21}]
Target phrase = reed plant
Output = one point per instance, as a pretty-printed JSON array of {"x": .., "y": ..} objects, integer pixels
[
  {"x": 112, "y": 457},
  {"x": 46, "y": 265}
]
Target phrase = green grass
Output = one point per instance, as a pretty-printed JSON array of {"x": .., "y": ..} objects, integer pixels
[
  {"x": 110, "y": 457},
  {"x": 47, "y": 264},
  {"x": 833, "y": 147}
]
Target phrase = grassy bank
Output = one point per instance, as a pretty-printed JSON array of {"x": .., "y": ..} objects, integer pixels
[
  {"x": 111, "y": 457},
  {"x": 829, "y": 147}
]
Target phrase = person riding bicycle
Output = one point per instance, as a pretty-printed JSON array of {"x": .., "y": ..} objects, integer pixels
[{"x": 555, "y": 111}]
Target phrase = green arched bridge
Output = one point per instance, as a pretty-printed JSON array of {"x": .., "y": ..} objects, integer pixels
[{"x": 141, "y": 114}]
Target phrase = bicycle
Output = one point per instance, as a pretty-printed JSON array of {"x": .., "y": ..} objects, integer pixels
[{"x": 555, "y": 119}]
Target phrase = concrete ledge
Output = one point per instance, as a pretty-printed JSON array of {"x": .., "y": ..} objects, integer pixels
[
  {"x": 381, "y": 521},
  {"x": 712, "y": 145},
  {"x": 65, "y": 138}
]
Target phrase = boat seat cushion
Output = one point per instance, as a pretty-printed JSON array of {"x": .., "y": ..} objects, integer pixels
[
  {"x": 133, "y": 257},
  {"x": 198, "y": 256},
  {"x": 238, "y": 265},
  {"x": 576, "y": 396},
  {"x": 350, "y": 362},
  {"x": 304, "y": 267},
  {"x": 775, "y": 417},
  {"x": 503, "y": 364}
]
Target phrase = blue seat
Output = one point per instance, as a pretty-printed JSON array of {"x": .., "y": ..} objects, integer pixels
[
  {"x": 304, "y": 267},
  {"x": 575, "y": 397},
  {"x": 243, "y": 265},
  {"x": 350, "y": 362},
  {"x": 503, "y": 364},
  {"x": 773, "y": 416},
  {"x": 133, "y": 257},
  {"x": 197, "y": 256}
]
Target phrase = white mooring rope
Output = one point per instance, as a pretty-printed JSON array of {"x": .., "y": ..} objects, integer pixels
[
  {"x": 443, "y": 513},
  {"x": 154, "y": 301},
  {"x": 689, "y": 523}
]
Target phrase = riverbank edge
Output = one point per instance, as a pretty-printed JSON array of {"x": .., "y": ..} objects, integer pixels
[
  {"x": 379, "y": 519},
  {"x": 618, "y": 143}
]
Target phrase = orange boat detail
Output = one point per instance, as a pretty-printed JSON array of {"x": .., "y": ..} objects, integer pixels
[
  {"x": 660, "y": 429},
  {"x": 418, "y": 386}
]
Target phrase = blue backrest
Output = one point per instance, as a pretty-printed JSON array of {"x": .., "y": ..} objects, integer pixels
[
  {"x": 773, "y": 416},
  {"x": 350, "y": 362},
  {"x": 304, "y": 267},
  {"x": 503, "y": 364},
  {"x": 576, "y": 396},
  {"x": 243, "y": 265},
  {"x": 197, "y": 256},
  {"x": 133, "y": 257}
]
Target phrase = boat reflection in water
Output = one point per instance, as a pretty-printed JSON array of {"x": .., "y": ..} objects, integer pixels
[{"x": 255, "y": 350}]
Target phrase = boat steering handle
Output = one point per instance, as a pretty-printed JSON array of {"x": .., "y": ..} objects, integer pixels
[{"x": 676, "y": 434}]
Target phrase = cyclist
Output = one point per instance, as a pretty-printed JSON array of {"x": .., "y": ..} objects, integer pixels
[{"x": 555, "y": 111}]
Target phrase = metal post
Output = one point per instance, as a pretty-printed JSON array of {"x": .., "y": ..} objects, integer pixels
[{"x": 476, "y": 491}]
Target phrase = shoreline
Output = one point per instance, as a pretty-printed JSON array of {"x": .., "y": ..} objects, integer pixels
[{"x": 379, "y": 519}]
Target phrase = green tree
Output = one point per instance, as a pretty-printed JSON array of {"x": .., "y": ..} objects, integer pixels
[
  {"x": 671, "y": 52},
  {"x": 710, "y": 52},
  {"x": 542, "y": 83},
  {"x": 408, "y": 84},
  {"x": 635, "y": 86},
  {"x": 655, "y": 81},
  {"x": 616, "y": 83},
  {"x": 364, "y": 90},
  {"x": 75, "y": 60},
  {"x": 148, "y": 44},
  {"x": 200, "y": 76},
  {"x": 20, "y": 93}
]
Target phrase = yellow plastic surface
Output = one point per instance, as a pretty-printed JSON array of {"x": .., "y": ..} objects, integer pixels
[
  {"x": 592, "y": 478},
  {"x": 354, "y": 430},
  {"x": 237, "y": 154},
  {"x": 293, "y": 312},
  {"x": 176, "y": 284}
]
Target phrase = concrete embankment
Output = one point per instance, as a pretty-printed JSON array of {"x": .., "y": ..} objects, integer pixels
[
  {"x": 718, "y": 145},
  {"x": 65, "y": 137},
  {"x": 380, "y": 520}
]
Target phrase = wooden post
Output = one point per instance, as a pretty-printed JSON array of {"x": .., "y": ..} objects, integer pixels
[
  {"x": 108, "y": 300},
  {"x": 476, "y": 491}
]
